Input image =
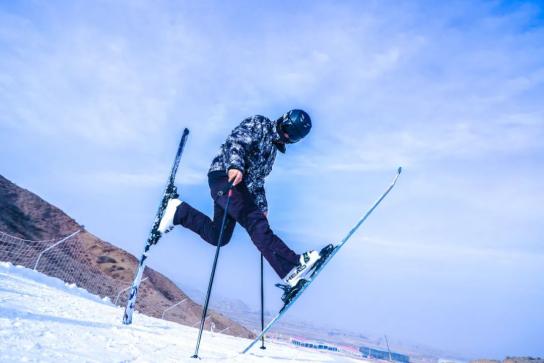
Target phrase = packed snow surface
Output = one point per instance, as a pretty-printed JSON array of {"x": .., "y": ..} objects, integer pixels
[{"x": 42, "y": 319}]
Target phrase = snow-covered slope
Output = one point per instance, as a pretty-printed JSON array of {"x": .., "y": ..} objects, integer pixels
[{"x": 44, "y": 320}]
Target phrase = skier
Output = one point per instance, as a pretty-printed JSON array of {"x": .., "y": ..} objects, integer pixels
[{"x": 244, "y": 160}]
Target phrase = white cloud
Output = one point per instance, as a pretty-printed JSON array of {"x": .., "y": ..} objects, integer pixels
[
  {"x": 445, "y": 88},
  {"x": 111, "y": 179}
]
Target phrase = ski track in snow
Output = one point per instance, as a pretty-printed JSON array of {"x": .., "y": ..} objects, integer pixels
[{"x": 43, "y": 319}]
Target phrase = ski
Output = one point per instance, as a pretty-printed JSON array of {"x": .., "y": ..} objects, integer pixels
[
  {"x": 291, "y": 295},
  {"x": 169, "y": 192}
]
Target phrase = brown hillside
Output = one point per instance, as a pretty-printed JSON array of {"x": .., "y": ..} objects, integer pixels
[{"x": 88, "y": 261}]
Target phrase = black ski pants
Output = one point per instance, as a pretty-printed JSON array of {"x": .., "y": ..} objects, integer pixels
[{"x": 242, "y": 209}]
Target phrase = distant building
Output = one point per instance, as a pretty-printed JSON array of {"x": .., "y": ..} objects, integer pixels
[
  {"x": 448, "y": 360},
  {"x": 510, "y": 360},
  {"x": 523, "y": 360},
  {"x": 350, "y": 350},
  {"x": 300, "y": 342},
  {"x": 381, "y": 354}
]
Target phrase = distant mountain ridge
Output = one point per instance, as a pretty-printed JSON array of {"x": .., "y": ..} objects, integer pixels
[{"x": 25, "y": 215}]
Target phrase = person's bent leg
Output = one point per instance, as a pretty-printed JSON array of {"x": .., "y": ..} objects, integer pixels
[
  {"x": 198, "y": 222},
  {"x": 277, "y": 253},
  {"x": 244, "y": 211}
]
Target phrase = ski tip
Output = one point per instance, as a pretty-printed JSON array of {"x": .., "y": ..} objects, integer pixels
[
  {"x": 399, "y": 170},
  {"x": 185, "y": 131}
]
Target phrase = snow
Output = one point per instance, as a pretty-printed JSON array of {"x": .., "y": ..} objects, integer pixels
[{"x": 42, "y": 319}]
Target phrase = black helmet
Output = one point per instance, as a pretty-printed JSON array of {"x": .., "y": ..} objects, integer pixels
[{"x": 296, "y": 124}]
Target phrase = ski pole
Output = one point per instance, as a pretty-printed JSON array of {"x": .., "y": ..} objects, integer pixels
[
  {"x": 262, "y": 301},
  {"x": 205, "y": 310}
]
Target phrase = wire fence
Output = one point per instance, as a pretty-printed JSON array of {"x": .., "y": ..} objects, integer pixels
[
  {"x": 65, "y": 259},
  {"x": 21, "y": 251},
  {"x": 62, "y": 258}
]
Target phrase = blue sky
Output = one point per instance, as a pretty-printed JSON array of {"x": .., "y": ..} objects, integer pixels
[{"x": 94, "y": 96}]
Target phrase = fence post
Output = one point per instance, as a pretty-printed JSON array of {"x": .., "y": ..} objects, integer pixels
[
  {"x": 50, "y": 247},
  {"x": 120, "y": 292},
  {"x": 389, "y": 350},
  {"x": 198, "y": 321},
  {"x": 171, "y": 307}
]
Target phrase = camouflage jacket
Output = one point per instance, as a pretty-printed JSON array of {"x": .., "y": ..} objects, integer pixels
[{"x": 250, "y": 148}]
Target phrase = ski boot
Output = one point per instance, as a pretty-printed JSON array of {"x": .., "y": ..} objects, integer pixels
[
  {"x": 306, "y": 262},
  {"x": 291, "y": 291},
  {"x": 167, "y": 220},
  {"x": 324, "y": 256},
  {"x": 304, "y": 275}
]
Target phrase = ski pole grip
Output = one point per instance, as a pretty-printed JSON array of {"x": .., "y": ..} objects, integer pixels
[
  {"x": 230, "y": 186},
  {"x": 227, "y": 189}
]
